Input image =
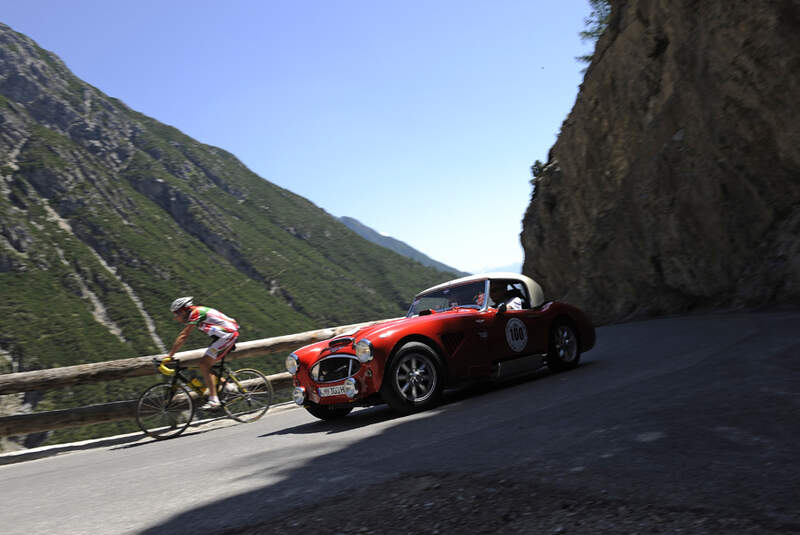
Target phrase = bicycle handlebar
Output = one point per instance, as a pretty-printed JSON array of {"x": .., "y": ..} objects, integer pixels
[{"x": 162, "y": 367}]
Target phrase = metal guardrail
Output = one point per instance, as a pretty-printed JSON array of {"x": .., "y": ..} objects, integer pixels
[{"x": 22, "y": 424}]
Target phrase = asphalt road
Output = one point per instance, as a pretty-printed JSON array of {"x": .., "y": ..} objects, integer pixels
[{"x": 694, "y": 415}]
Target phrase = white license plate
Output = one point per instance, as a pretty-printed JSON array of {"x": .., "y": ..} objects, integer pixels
[{"x": 326, "y": 391}]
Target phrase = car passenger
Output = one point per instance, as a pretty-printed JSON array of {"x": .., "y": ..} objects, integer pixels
[{"x": 499, "y": 294}]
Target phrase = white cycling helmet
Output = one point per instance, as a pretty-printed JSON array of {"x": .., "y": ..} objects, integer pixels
[{"x": 181, "y": 302}]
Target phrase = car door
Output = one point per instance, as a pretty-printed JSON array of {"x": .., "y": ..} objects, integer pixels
[
  {"x": 465, "y": 338},
  {"x": 517, "y": 333}
]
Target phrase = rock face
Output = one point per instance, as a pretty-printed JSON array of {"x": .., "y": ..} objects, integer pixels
[{"x": 674, "y": 184}]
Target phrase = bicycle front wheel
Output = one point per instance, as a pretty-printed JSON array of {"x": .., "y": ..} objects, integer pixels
[
  {"x": 164, "y": 410},
  {"x": 247, "y": 395}
]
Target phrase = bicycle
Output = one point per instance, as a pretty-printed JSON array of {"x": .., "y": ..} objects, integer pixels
[{"x": 166, "y": 409}]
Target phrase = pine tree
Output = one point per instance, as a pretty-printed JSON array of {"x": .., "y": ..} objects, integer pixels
[{"x": 595, "y": 23}]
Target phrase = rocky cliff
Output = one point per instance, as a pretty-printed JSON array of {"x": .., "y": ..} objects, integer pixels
[{"x": 674, "y": 184}]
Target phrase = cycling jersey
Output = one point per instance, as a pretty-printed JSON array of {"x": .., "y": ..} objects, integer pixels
[{"x": 214, "y": 323}]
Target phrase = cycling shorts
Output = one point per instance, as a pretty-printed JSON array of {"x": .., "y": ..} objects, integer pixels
[{"x": 222, "y": 343}]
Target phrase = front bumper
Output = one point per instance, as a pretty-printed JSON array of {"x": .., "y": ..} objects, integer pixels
[{"x": 348, "y": 390}]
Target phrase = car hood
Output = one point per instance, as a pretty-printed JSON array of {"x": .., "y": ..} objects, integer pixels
[{"x": 385, "y": 329}]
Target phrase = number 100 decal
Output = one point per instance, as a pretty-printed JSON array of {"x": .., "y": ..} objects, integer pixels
[{"x": 516, "y": 335}]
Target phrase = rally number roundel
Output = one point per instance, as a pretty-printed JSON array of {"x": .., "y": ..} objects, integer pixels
[{"x": 516, "y": 335}]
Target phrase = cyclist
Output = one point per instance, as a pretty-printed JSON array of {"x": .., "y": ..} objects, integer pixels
[{"x": 223, "y": 330}]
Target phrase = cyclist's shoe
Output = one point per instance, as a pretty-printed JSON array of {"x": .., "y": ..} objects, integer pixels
[
  {"x": 229, "y": 388},
  {"x": 211, "y": 405}
]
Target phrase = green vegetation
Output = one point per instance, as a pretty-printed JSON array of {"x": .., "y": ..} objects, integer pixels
[
  {"x": 13, "y": 47},
  {"x": 596, "y": 23},
  {"x": 42, "y": 152}
]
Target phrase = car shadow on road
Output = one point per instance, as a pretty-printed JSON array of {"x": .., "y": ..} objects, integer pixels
[
  {"x": 482, "y": 388},
  {"x": 382, "y": 413},
  {"x": 354, "y": 420}
]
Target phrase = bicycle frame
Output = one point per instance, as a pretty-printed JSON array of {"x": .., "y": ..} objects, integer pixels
[
  {"x": 219, "y": 371},
  {"x": 177, "y": 376},
  {"x": 245, "y": 395}
]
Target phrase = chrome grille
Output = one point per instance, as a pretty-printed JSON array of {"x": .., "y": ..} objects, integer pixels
[{"x": 334, "y": 368}]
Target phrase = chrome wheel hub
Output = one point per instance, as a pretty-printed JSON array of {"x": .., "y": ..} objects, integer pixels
[{"x": 415, "y": 377}]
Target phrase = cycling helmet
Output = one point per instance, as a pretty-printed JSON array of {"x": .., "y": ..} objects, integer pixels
[{"x": 180, "y": 302}]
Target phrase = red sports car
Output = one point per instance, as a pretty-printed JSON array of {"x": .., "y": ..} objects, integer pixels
[{"x": 484, "y": 326}]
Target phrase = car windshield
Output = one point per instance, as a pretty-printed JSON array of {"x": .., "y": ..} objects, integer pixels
[{"x": 465, "y": 295}]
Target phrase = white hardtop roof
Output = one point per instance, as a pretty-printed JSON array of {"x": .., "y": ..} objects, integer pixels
[{"x": 534, "y": 289}]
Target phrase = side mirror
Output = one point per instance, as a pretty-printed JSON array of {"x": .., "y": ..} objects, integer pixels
[{"x": 502, "y": 308}]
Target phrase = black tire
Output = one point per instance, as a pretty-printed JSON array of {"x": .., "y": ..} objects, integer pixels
[
  {"x": 564, "y": 350},
  {"x": 164, "y": 410},
  {"x": 413, "y": 380},
  {"x": 328, "y": 412},
  {"x": 252, "y": 400}
]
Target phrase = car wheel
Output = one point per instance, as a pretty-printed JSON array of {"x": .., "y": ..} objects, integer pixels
[
  {"x": 413, "y": 381},
  {"x": 328, "y": 412},
  {"x": 563, "y": 352}
]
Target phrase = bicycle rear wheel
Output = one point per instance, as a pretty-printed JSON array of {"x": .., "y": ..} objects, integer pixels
[
  {"x": 247, "y": 395},
  {"x": 164, "y": 410}
]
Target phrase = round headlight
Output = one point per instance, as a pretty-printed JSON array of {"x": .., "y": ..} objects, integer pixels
[
  {"x": 350, "y": 388},
  {"x": 299, "y": 395},
  {"x": 292, "y": 363},
  {"x": 314, "y": 373},
  {"x": 364, "y": 350}
]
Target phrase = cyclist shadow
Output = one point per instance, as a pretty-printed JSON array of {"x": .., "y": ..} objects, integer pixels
[{"x": 208, "y": 423}]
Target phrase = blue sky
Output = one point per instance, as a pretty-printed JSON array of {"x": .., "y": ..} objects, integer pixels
[{"x": 418, "y": 118}]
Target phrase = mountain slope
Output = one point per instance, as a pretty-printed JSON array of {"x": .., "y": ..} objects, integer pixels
[
  {"x": 395, "y": 245},
  {"x": 106, "y": 215}
]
